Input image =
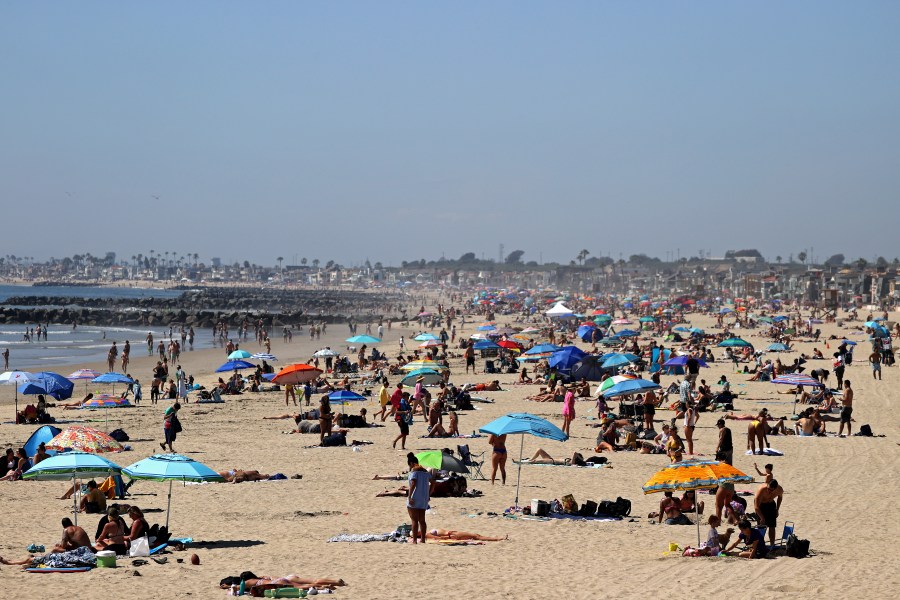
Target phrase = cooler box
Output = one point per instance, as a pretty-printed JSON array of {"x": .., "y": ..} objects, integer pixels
[
  {"x": 540, "y": 508},
  {"x": 106, "y": 559}
]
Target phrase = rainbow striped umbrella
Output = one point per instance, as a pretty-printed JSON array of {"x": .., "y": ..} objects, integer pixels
[{"x": 84, "y": 439}]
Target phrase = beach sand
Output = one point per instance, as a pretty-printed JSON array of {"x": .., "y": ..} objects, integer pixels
[{"x": 839, "y": 492}]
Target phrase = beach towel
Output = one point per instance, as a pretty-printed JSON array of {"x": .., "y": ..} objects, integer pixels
[
  {"x": 527, "y": 462},
  {"x": 80, "y": 557},
  {"x": 68, "y": 570},
  {"x": 569, "y": 517},
  {"x": 769, "y": 451},
  {"x": 367, "y": 537}
]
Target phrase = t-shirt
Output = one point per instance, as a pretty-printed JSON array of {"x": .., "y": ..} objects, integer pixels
[
  {"x": 420, "y": 496},
  {"x": 383, "y": 396},
  {"x": 712, "y": 539},
  {"x": 693, "y": 366},
  {"x": 395, "y": 399},
  {"x": 755, "y": 535}
]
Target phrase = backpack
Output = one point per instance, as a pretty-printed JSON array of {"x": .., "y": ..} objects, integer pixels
[
  {"x": 865, "y": 430},
  {"x": 622, "y": 507},
  {"x": 796, "y": 547},
  {"x": 119, "y": 435}
]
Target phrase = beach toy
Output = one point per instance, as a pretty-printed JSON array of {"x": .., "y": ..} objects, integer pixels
[
  {"x": 106, "y": 559},
  {"x": 673, "y": 547}
]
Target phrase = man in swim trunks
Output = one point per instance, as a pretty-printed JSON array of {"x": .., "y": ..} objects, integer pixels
[
  {"x": 767, "y": 504},
  {"x": 73, "y": 537},
  {"x": 847, "y": 410}
]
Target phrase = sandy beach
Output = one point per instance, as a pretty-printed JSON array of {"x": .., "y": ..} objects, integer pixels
[{"x": 837, "y": 491}]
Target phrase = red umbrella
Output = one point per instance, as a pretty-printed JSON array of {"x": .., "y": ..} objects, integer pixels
[
  {"x": 509, "y": 345},
  {"x": 298, "y": 373}
]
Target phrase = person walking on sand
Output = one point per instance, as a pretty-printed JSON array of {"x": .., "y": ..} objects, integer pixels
[
  {"x": 875, "y": 363},
  {"x": 289, "y": 394},
  {"x": 6, "y": 360},
  {"x": 420, "y": 486},
  {"x": 568, "y": 411},
  {"x": 725, "y": 447},
  {"x": 171, "y": 426},
  {"x": 847, "y": 410},
  {"x": 403, "y": 417},
  {"x": 111, "y": 357}
]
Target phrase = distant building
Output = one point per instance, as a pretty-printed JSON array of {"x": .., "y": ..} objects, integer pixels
[{"x": 216, "y": 262}]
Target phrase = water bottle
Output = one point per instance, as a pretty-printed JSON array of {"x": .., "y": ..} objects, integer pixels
[{"x": 243, "y": 588}]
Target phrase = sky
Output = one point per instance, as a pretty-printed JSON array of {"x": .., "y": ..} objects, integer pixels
[{"x": 395, "y": 131}]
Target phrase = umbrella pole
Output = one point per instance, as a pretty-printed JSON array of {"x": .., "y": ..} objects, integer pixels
[
  {"x": 169, "y": 505},
  {"x": 74, "y": 500},
  {"x": 697, "y": 515},
  {"x": 519, "y": 473}
]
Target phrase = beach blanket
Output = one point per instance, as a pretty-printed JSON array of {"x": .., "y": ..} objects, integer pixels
[
  {"x": 768, "y": 452},
  {"x": 568, "y": 517},
  {"x": 527, "y": 462},
  {"x": 80, "y": 557}
]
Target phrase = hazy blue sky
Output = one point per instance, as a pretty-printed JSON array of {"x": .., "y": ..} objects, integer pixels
[{"x": 406, "y": 130}]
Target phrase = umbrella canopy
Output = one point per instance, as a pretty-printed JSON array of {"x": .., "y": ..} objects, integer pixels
[
  {"x": 611, "y": 381},
  {"x": 697, "y": 330},
  {"x": 485, "y": 345},
  {"x": 325, "y": 353},
  {"x": 106, "y": 401},
  {"x": 542, "y": 349},
  {"x": 239, "y": 355},
  {"x": 84, "y": 439},
  {"x": 264, "y": 356},
  {"x": 342, "y": 396},
  {"x": 523, "y": 423},
  {"x": 797, "y": 379},
  {"x": 632, "y": 386},
  {"x": 565, "y": 358},
  {"x": 647, "y": 320},
  {"x": 171, "y": 468},
  {"x": 435, "y": 459},
  {"x": 680, "y": 361},
  {"x": 588, "y": 368},
  {"x": 83, "y": 374},
  {"x": 621, "y": 322},
  {"x": 694, "y": 475},
  {"x": 486, "y": 328},
  {"x": 734, "y": 342},
  {"x": 297, "y": 373},
  {"x": 560, "y": 311},
  {"x": 424, "y": 337},
  {"x": 628, "y": 333},
  {"x": 425, "y": 364},
  {"x": 112, "y": 377},
  {"x": 70, "y": 465},
  {"x": 430, "y": 377},
  {"x": 235, "y": 365},
  {"x": 618, "y": 359},
  {"x": 50, "y": 384},
  {"x": 16, "y": 378},
  {"x": 509, "y": 345},
  {"x": 778, "y": 348},
  {"x": 364, "y": 339},
  {"x": 431, "y": 344}
]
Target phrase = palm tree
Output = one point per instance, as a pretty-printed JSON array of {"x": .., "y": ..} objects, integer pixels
[
  {"x": 315, "y": 263},
  {"x": 582, "y": 255},
  {"x": 303, "y": 261}
]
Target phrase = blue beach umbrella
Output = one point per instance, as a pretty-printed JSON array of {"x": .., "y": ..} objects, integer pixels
[
  {"x": 628, "y": 333},
  {"x": 565, "y": 358},
  {"x": 424, "y": 337},
  {"x": 264, "y": 356},
  {"x": 364, "y": 339},
  {"x": 524, "y": 423},
  {"x": 680, "y": 361},
  {"x": 239, "y": 355},
  {"x": 630, "y": 387},
  {"x": 69, "y": 465},
  {"x": 50, "y": 384},
  {"x": 345, "y": 397},
  {"x": 542, "y": 349},
  {"x": 171, "y": 468},
  {"x": 618, "y": 359},
  {"x": 235, "y": 365},
  {"x": 112, "y": 378},
  {"x": 485, "y": 345},
  {"x": 778, "y": 348}
]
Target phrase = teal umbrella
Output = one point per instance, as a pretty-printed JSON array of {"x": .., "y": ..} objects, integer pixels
[
  {"x": 69, "y": 465},
  {"x": 171, "y": 468},
  {"x": 364, "y": 339},
  {"x": 734, "y": 342},
  {"x": 239, "y": 355}
]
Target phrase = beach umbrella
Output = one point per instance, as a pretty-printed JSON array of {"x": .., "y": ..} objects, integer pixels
[
  {"x": 84, "y": 439},
  {"x": 647, "y": 320},
  {"x": 425, "y": 364},
  {"x": 588, "y": 368},
  {"x": 778, "y": 348},
  {"x": 106, "y": 401},
  {"x": 486, "y": 328},
  {"x": 364, "y": 339},
  {"x": 510, "y": 345},
  {"x": 565, "y": 358},
  {"x": 697, "y": 330},
  {"x": 424, "y": 337},
  {"x": 16, "y": 378},
  {"x": 264, "y": 356},
  {"x": 430, "y": 376},
  {"x": 485, "y": 345},
  {"x": 542, "y": 349},
  {"x": 86, "y": 374},
  {"x": 797, "y": 380},
  {"x": 766, "y": 320},
  {"x": 235, "y": 365},
  {"x": 325, "y": 353},
  {"x": 734, "y": 342},
  {"x": 611, "y": 381},
  {"x": 70, "y": 465},
  {"x": 50, "y": 384},
  {"x": 630, "y": 387},
  {"x": 435, "y": 459},
  {"x": 431, "y": 344},
  {"x": 725, "y": 310},
  {"x": 618, "y": 359},
  {"x": 628, "y": 333},
  {"x": 621, "y": 322},
  {"x": 112, "y": 378},
  {"x": 530, "y": 330},
  {"x": 171, "y": 468},
  {"x": 680, "y": 361},
  {"x": 694, "y": 475},
  {"x": 522, "y": 424},
  {"x": 682, "y": 329},
  {"x": 296, "y": 374},
  {"x": 239, "y": 355},
  {"x": 848, "y": 342}
]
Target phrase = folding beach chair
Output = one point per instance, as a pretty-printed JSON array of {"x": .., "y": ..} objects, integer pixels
[
  {"x": 473, "y": 461},
  {"x": 786, "y": 532}
]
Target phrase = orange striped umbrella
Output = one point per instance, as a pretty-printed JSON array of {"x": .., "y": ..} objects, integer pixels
[{"x": 296, "y": 373}]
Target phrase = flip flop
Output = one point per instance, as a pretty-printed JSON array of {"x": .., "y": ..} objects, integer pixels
[
  {"x": 139, "y": 562},
  {"x": 160, "y": 561}
]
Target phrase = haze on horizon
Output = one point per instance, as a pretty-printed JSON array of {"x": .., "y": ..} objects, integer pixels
[{"x": 403, "y": 130}]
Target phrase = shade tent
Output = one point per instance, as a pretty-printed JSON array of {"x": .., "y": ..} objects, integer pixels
[
  {"x": 523, "y": 423},
  {"x": 171, "y": 468},
  {"x": 70, "y": 465},
  {"x": 560, "y": 311},
  {"x": 41, "y": 435},
  {"x": 588, "y": 368}
]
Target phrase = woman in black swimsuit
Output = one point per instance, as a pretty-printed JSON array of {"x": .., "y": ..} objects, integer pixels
[
  {"x": 113, "y": 535},
  {"x": 498, "y": 457},
  {"x": 139, "y": 526}
]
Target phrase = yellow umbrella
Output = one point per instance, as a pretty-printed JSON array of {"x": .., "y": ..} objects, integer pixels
[{"x": 694, "y": 475}]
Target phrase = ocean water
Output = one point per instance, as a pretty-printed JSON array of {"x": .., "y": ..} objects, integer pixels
[{"x": 86, "y": 343}]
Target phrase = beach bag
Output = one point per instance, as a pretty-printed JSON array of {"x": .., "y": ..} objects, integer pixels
[
  {"x": 588, "y": 509},
  {"x": 119, "y": 435},
  {"x": 140, "y": 547},
  {"x": 622, "y": 507},
  {"x": 796, "y": 548},
  {"x": 569, "y": 505},
  {"x": 865, "y": 430},
  {"x": 606, "y": 508}
]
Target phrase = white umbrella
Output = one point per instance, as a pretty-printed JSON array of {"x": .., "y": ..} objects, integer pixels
[{"x": 17, "y": 378}]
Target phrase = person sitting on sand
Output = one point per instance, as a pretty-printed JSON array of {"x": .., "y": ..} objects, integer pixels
[
  {"x": 240, "y": 476},
  {"x": 139, "y": 526},
  {"x": 715, "y": 541},
  {"x": 523, "y": 376},
  {"x": 94, "y": 501},
  {"x": 753, "y": 538},
  {"x": 446, "y": 534},
  {"x": 670, "y": 510},
  {"x": 73, "y": 537},
  {"x": 674, "y": 445},
  {"x": 687, "y": 500},
  {"x": 112, "y": 537}
]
